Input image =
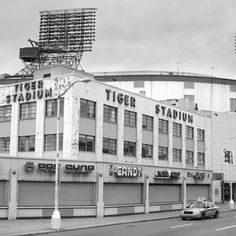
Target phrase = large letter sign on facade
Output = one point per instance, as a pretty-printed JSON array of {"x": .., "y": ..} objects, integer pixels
[{"x": 125, "y": 171}]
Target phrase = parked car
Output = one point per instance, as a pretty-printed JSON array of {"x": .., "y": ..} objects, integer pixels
[{"x": 200, "y": 209}]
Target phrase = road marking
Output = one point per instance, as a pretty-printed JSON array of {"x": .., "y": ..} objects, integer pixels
[
  {"x": 229, "y": 227},
  {"x": 177, "y": 226}
]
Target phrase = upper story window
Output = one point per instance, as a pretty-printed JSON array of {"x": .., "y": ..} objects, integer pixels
[
  {"x": 138, "y": 84},
  {"x": 163, "y": 126},
  {"x": 189, "y": 132},
  {"x": 51, "y": 107},
  {"x": 232, "y": 88},
  {"x": 200, "y": 135},
  {"x": 189, "y": 157},
  {"x": 26, "y": 143},
  {"x": 28, "y": 110},
  {"x": 86, "y": 143},
  {"x": 109, "y": 146},
  {"x": 200, "y": 158},
  {"x": 177, "y": 155},
  {"x": 87, "y": 108},
  {"x": 147, "y": 151},
  {"x": 110, "y": 114},
  {"x": 130, "y": 118},
  {"x": 5, "y": 113},
  {"x": 177, "y": 129},
  {"x": 162, "y": 153},
  {"x": 50, "y": 142},
  {"x": 233, "y": 104},
  {"x": 4, "y": 144},
  {"x": 147, "y": 122},
  {"x": 189, "y": 85},
  {"x": 129, "y": 148}
]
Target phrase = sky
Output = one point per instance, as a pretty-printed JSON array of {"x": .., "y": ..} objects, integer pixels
[{"x": 135, "y": 35}]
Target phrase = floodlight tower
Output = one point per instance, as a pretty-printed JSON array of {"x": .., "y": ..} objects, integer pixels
[{"x": 64, "y": 36}]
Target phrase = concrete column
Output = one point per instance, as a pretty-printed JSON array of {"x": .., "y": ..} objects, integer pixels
[
  {"x": 184, "y": 193},
  {"x": 170, "y": 144},
  {"x": 99, "y": 130},
  {"x": 155, "y": 140},
  {"x": 100, "y": 189},
  {"x": 13, "y": 188},
  {"x": 14, "y": 129},
  {"x": 139, "y": 138},
  {"x": 71, "y": 126},
  {"x": 146, "y": 194},
  {"x": 211, "y": 191},
  {"x": 195, "y": 146},
  {"x": 183, "y": 146},
  {"x": 120, "y": 134},
  {"x": 39, "y": 133}
]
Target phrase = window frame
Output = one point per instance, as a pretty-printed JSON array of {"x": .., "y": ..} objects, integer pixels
[
  {"x": 5, "y": 144},
  {"x": 200, "y": 158},
  {"x": 86, "y": 138},
  {"x": 177, "y": 129},
  {"x": 52, "y": 147},
  {"x": 147, "y": 122},
  {"x": 163, "y": 126},
  {"x": 29, "y": 109},
  {"x": 130, "y": 119},
  {"x": 108, "y": 114},
  {"x": 200, "y": 135},
  {"x": 189, "y": 157},
  {"x": 87, "y": 108},
  {"x": 5, "y": 113},
  {"x": 177, "y": 155},
  {"x": 189, "y": 132},
  {"x": 147, "y": 151},
  {"x": 29, "y": 143},
  {"x": 111, "y": 147},
  {"x": 129, "y": 146},
  {"x": 52, "y": 112},
  {"x": 163, "y": 154}
]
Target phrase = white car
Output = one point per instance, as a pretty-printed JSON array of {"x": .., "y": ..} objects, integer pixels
[{"x": 200, "y": 210}]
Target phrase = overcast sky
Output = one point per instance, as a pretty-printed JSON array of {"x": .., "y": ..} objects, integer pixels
[{"x": 131, "y": 35}]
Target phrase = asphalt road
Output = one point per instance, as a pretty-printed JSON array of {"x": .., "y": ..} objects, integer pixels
[{"x": 225, "y": 224}]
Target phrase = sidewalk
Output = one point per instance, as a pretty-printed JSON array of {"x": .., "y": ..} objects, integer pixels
[{"x": 42, "y": 226}]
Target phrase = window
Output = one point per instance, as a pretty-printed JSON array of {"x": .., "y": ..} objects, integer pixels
[
  {"x": 177, "y": 129},
  {"x": 129, "y": 149},
  {"x": 189, "y": 132},
  {"x": 189, "y": 157},
  {"x": 147, "y": 122},
  {"x": 86, "y": 143},
  {"x": 189, "y": 85},
  {"x": 163, "y": 126},
  {"x": 5, "y": 113},
  {"x": 87, "y": 108},
  {"x": 130, "y": 118},
  {"x": 177, "y": 155},
  {"x": 163, "y": 153},
  {"x": 200, "y": 135},
  {"x": 232, "y": 88},
  {"x": 51, "y": 107},
  {"x": 138, "y": 84},
  {"x": 146, "y": 151},
  {"x": 200, "y": 158},
  {"x": 26, "y": 143},
  {"x": 233, "y": 104},
  {"x": 109, "y": 146},
  {"x": 110, "y": 114},
  {"x": 4, "y": 144},
  {"x": 28, "y": 110},
  {"x": 50, "y": 142}
]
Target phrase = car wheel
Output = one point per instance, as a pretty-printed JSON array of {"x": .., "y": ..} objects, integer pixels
[
  {"x": 202, "y": 216},
  {"x": 216, "y": 214}
]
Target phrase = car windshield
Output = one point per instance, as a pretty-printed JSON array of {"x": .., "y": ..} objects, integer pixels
[{"x": 197, "y": 205}]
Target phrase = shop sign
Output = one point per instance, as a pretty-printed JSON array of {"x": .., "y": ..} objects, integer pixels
[
  {"x": 167, "y": 174},
  {"x": 125, "y": 171},
  {"x": 28, "y": 91},
  {"x": 217, "y": 176},
  {"x": 172, "y": 113},
  {"x": 121, "y": 98},
  {"x": 51, "y": 168},
  {"x": 196, "y": 175}
]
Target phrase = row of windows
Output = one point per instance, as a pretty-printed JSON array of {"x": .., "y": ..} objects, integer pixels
[
  {"x": 87, "y": 143},
  {"x": 88, "y": 109}
]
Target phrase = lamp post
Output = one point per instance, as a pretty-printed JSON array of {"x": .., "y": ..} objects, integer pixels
[
  {"x": 56, "y": 216},
  {"x": 231, "y": 201}
]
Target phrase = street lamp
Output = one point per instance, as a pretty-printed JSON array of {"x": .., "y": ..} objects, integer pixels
[{"x": 56, "y": 216}]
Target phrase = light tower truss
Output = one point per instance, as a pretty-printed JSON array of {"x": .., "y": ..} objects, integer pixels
[{"x": 64, "y": 36}]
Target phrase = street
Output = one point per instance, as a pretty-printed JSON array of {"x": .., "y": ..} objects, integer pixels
[{"x": 224, "y": 225}]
